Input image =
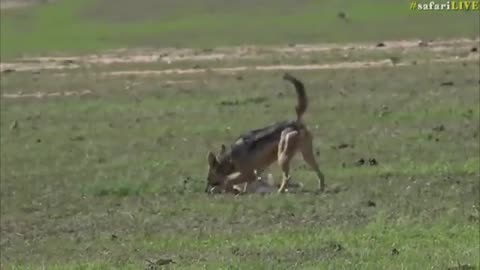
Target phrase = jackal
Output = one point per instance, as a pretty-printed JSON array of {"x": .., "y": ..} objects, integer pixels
[{"x": 256, "y": 150}]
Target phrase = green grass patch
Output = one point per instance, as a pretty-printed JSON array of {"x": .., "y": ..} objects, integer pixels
[
  {"x": 89, "y": 26},
  {"x": 108, "y": 180}
]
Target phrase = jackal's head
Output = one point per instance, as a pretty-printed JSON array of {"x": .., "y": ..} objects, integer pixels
[{"x": 219, "y": 167}]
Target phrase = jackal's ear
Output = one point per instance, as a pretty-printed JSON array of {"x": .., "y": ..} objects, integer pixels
[
  {"x": 212, "y": 160},
  {"x": 223, "y": 149}
]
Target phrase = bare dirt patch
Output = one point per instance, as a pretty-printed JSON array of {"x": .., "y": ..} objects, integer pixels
[
  {"x": 234, "y": 70},
  {"x": 439, "y": 45},
  {"x": 247, "y": 52},
  {"x": 338, "y": 65},
  {"x": 11, "y": 4},
  {"x": 171, "y": 55},
  {"x": 19, "y": 67},
  {"x": 45, "y": 94}
]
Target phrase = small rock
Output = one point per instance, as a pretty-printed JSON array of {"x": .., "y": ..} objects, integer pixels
[
  {"x": 344, "y": 145},
  {"x": 14, "y": 125},
  {"x": 68, "y": 62},
  {"x": 8, "y": 70},
  {"x": 360, "y": 162},
  {"x": 439, "y": 128},
  {"x": 78, "y": 138},
  {"x": 447, "y": 83},
  {"x": 371, "y": 203},
  {"x": 423, "y": 43},
  {"x": 342, "y": 15}
]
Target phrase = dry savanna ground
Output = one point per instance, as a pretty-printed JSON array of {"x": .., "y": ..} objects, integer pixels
[{"x": 103, "y": 152}]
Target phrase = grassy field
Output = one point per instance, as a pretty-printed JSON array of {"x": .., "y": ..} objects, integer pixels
[
  {"x": 114, "y": 178},
  {"x": 86, "y": 25}
]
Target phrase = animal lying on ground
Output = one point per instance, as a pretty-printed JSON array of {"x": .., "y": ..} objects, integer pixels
[
  {"x": 263, "y": 185},
  {"x": 258, "y": 149}
]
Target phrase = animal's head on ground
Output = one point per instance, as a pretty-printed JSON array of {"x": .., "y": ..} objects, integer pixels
[{"x": 219, "y": 167}]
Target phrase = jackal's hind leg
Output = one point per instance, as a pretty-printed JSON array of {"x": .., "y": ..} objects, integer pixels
[
  {"x": 286, "y": 150},
  {"x": 309, "y": 157}
]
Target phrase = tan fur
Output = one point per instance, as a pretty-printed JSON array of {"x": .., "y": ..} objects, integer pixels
[{"x": 241, "y": 165}]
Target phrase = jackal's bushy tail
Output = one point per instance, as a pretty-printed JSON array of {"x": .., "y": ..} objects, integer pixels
[{"x": 302, "y": 100}]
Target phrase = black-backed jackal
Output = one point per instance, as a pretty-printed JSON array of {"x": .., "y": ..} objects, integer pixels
[{"x": 258, "y": 149}]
